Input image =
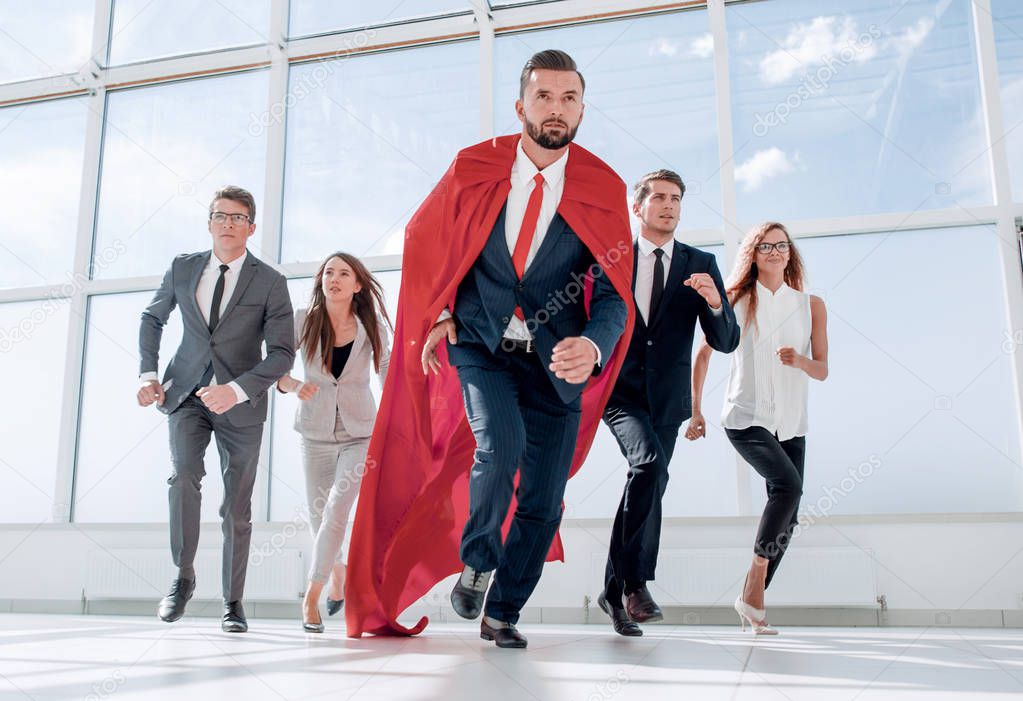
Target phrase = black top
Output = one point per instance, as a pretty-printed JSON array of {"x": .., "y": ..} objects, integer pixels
[{"x": 339, "y": 357}]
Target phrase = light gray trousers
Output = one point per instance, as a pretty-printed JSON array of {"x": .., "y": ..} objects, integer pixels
[{"x": 333, "y": 472}]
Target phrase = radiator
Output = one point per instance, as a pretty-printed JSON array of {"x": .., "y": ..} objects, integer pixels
[
  {"x": 146, "y": 573},
  {"x": 842, "y": 576}
]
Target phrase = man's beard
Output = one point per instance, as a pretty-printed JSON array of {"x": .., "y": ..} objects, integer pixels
[{"x": 548, "y": 140}]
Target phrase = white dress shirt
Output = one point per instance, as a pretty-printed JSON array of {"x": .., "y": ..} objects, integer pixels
[
  {"x": 522, "y": 174},
  {"x": 204, "y": 298},
  {"x": 761, "y": 390},
  {"x": 645, "y": 272}
]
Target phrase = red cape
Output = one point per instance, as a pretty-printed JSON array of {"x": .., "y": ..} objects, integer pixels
[{"x": 414, "y": 498}]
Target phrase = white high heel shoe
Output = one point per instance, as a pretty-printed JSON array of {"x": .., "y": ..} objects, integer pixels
[{"x": 757, "y": 618}]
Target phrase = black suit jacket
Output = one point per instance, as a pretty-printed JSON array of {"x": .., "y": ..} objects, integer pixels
[{"x": 656, "y": 375}]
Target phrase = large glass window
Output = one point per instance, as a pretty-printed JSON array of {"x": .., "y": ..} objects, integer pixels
[
  {"x": 166, "y": 149},
  {"x": 319, "y": 16},
  {"x": 918, "y": 412},
  {"x": 144, "y": 29},
  {"x": 368, "y": 138},
  {"x": 1008, "y": 24},
  {"x": 123, "y": 449},
  {"x": 33, "y": 346},
  {"x": 843, "y": 109},
  {"x": 44, "y": 38},
  {"x": 41, "y": 147},
  {"x": 649, "y": 99}
]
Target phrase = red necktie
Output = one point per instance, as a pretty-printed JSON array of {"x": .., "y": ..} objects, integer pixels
[{"x": 526, "y": 232}]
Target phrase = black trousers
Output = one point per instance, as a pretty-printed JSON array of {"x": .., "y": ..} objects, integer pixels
[
  {"x": 521, "y": 426},
  {"x": 780, "y": 463},
  {"x": 636, "y": 533}
]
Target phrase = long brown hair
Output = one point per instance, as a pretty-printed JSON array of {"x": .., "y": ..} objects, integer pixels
[
  {"x": 743, "y": 280},
  {"x": 367, "y": 305}
]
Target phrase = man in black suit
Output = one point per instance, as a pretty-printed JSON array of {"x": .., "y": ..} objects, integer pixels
[{"x": 673, "y": 285}]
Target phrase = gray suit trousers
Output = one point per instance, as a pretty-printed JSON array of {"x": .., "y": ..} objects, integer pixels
[{"x": 191, "y": 426}]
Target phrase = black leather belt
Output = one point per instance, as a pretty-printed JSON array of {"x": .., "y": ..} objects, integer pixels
[{"x": 511, "y": 345}]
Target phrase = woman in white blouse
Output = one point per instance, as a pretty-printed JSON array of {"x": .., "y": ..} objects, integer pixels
[{"x": 783, "y": 341}]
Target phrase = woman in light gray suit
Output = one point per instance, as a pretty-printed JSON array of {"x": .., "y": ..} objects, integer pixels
[{"x": 343, "y": 332}]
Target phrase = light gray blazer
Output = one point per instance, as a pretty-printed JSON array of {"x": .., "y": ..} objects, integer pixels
[
  {"x": 259, "y": 310},
  {"x": 348, "y": 394}
]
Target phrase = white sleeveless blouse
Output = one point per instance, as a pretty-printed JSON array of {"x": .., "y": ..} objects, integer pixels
[{"x": 762, "y": 391}]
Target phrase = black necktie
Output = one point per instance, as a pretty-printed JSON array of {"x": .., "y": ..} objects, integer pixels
[
  {"x": 218, "y": 295},
  {"x": 658, "y": 288}
]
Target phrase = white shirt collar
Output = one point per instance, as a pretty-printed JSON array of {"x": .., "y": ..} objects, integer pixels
[
  {"x": 646, "y": 247},
  {"x": 234, "y": 266},
  {"x": 763, "y": 289},
  {"x": 524, "y": 170}
]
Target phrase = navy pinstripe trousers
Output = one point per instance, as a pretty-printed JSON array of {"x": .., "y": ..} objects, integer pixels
[{"x": 520, "y": 424}]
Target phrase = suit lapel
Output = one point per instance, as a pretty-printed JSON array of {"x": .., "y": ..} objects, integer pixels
[
  {"x": 193, "y": 285},
  {"x": 679, "y": 261},
  {"x": 635, "y": 267},
  {"x": 245, "y": 275},
  {"x": 550, "y": 239},
  {"x": 357, "y": 343}
]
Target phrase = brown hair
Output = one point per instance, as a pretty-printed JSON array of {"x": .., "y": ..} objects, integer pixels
[
  {"x": 552, "y": 60},
  {"x": 236, "y": 194},
  {"x": 642, "y": 188},
  {"x": 743, "y": 280},
  {"x": 367, "y": 304}
]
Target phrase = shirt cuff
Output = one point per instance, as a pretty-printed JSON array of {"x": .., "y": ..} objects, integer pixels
[
  {"x": 444, "y": 314},
  {"x": 719, "y": 311},
  {"x": 595, "y": 347},
  {"x": 148, "y": 376},
  {"x": 242, "y": 397}
]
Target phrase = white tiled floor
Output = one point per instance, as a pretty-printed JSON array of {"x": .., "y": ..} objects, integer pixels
[{"x": 123, "y": 658}]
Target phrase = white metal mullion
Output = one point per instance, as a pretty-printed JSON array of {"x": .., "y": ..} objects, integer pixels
[
  {"x": 74, "y": 359},
  {"x": 273, "y": 204},
  {"x": 486, "y": 27},
  {"x": 729, "y": 208},
  {"x": 1008, "y": 246}
]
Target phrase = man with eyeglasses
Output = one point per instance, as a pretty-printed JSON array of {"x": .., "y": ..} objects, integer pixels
[
  {"x": 675, "y": 286},
  {"x": 215, "y": 385}
]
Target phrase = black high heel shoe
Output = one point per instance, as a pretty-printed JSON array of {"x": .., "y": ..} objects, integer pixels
[{"x": 334, "y": 605}]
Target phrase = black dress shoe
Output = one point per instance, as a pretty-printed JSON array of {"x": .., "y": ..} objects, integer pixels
[
  {"x": 469, "y": 592},
  {"x": 334, "y": 605},
  {"x": 172, "y": 606},
  {"x": 234, "y": 618},
  {"x": 623, "y": 625},
  {"x": 641, "y": 607},
  {"x": 506, "y": 635}
]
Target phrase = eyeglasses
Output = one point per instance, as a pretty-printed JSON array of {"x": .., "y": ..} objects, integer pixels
[
  {"x": 221, "y": 217},
  {"x": 781, "y": 247}
]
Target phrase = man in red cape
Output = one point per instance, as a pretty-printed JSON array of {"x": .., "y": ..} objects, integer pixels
[{"x": 521, "y": 258}]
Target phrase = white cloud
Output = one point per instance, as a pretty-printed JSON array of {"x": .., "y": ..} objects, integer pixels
[
  {"x": 702, "y": 47},
  {"x": 907, "y": 42},
  {"x": 663, "y": 47},
  {"x": 765, "y": 164},
  {"x": 811, "y": 44}
]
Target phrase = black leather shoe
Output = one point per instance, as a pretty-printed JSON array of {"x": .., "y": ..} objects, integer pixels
[
  {"x": 623, "y": 625},
  {"x": 172, "y": 606},
  {"x": 506, "y": 635},
  {"x": 334, "y": 605},
  {"x": 641, "y": 607},
  {"x": 234, "y": 618},
  {"x": 469, "y": 592}
]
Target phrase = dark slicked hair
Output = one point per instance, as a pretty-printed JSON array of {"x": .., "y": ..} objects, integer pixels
[
  {"x": 643, "y": 188},
  {"x": 552, "y": 60}
]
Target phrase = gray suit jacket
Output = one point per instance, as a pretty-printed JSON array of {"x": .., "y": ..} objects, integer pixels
[
  {"x": 349, "y": 394},
  {"x": 259, "y": 310}
]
